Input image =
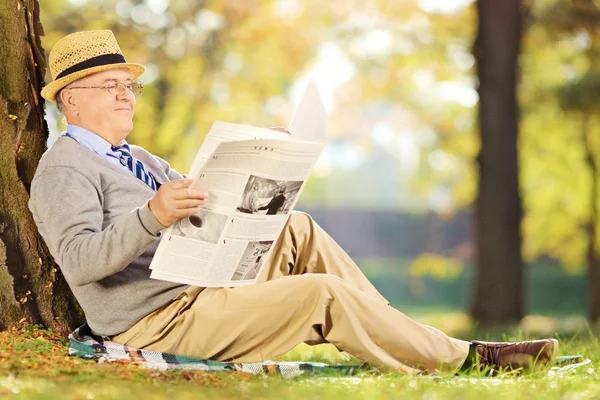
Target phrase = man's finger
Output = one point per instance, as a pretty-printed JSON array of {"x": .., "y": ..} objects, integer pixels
[
  {"x": 181, "y": 183},
  {"x": 186, "y": 212},
  {"x": 188, "y": 203},
  {"x": 189, "y": 193},
  {"x": 280, "y": 129},
  {"x": 194, "y": 210}
]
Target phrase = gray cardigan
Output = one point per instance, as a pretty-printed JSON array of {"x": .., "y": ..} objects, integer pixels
[{"x": 96, "y": 222}]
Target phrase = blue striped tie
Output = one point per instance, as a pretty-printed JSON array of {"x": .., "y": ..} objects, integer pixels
[{"x": 135, "y": 166}]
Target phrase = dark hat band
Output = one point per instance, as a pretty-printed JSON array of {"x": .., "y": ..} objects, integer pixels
[{"x": 105, "y": 59}]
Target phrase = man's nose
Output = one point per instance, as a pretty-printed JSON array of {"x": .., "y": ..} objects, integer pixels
[{"x": 124, "y": 92}]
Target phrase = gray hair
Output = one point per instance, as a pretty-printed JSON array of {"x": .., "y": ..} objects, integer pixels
[{"x": 59, "y": 103}]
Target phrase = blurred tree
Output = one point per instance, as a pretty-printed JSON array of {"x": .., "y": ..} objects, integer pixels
[
  {"x": 499, "y": 278},
  {"x": 31, "y": 288}
]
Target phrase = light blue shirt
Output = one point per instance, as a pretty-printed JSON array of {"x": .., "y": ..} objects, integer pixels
[{"x": 97, "y": 144}]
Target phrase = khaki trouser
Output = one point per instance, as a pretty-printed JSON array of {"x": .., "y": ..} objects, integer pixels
[{"x": 309, "y": 291}]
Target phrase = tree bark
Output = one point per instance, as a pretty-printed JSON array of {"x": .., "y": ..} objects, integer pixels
[
  {"x": 31, "y": 287},
  {"x": 499, "y": 276}
]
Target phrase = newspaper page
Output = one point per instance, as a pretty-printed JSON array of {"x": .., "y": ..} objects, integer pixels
[{"x": 253, "y": 186}]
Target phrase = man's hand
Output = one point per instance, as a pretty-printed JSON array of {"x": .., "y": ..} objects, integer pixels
[
  {"x": 176, "y": 200},
  {"x": 280, "y": 129}
]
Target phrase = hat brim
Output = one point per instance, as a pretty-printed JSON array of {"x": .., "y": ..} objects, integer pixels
[{"x": 50, "y": 90}]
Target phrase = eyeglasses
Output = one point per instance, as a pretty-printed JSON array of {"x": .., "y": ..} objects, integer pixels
[{"x": 115, "y": 88}]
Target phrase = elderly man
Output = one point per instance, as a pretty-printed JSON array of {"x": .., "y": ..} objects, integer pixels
[{"x": 101, "y": 205}]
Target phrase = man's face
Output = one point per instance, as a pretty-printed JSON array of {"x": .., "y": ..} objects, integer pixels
[{"x": 102, "y": 112}]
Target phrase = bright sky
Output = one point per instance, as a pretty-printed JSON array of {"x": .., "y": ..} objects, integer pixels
[{"x": 443, "y": 6}]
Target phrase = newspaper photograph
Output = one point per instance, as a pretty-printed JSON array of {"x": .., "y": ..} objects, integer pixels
[
  {"x": 251, "y": 261},
  {"x": 253, "y": 185},
  {"x": 268, "y": 196}
]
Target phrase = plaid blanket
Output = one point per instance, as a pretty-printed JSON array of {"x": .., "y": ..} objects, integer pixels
[{"x": 83, "y": 344}]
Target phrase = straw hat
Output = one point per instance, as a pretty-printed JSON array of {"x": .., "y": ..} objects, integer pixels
[{"x": 84, "y": 53}]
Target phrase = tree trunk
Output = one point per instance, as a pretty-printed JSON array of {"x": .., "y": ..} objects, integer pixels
[
  {"x": 591, "y": 256},
  {"x": 31, "y": 287},
  {"x": 499, "y": 277}
]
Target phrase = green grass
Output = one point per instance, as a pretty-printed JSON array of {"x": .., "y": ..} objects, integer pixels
[{"x": 34, "y": 365}]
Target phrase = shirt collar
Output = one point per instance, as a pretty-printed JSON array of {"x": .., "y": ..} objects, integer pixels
[{"x": 91, "y": 140}]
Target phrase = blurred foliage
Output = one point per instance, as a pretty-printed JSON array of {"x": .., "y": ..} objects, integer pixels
[
  {"x": 436, "y": 266},
  {"x": 548, "y": 289},
  {"x": 559, "y": 96},
  {"x": 399, "y": 85}
]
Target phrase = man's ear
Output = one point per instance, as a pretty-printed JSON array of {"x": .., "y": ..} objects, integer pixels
[{"x": 69, "y": 101}]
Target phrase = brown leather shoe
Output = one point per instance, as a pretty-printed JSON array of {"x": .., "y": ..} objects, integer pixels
[{"x": 530, "y": 354}]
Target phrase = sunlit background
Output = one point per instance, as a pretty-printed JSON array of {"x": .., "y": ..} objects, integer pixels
[{"x": 397, "y": 179}]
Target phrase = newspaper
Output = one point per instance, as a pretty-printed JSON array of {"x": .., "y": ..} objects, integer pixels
[{"x": 254, "y": 177}]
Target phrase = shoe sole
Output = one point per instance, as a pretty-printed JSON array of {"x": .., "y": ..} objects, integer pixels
[
  {"x": 542, "y": 365},
  {"x": 555, "y": 348}
]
